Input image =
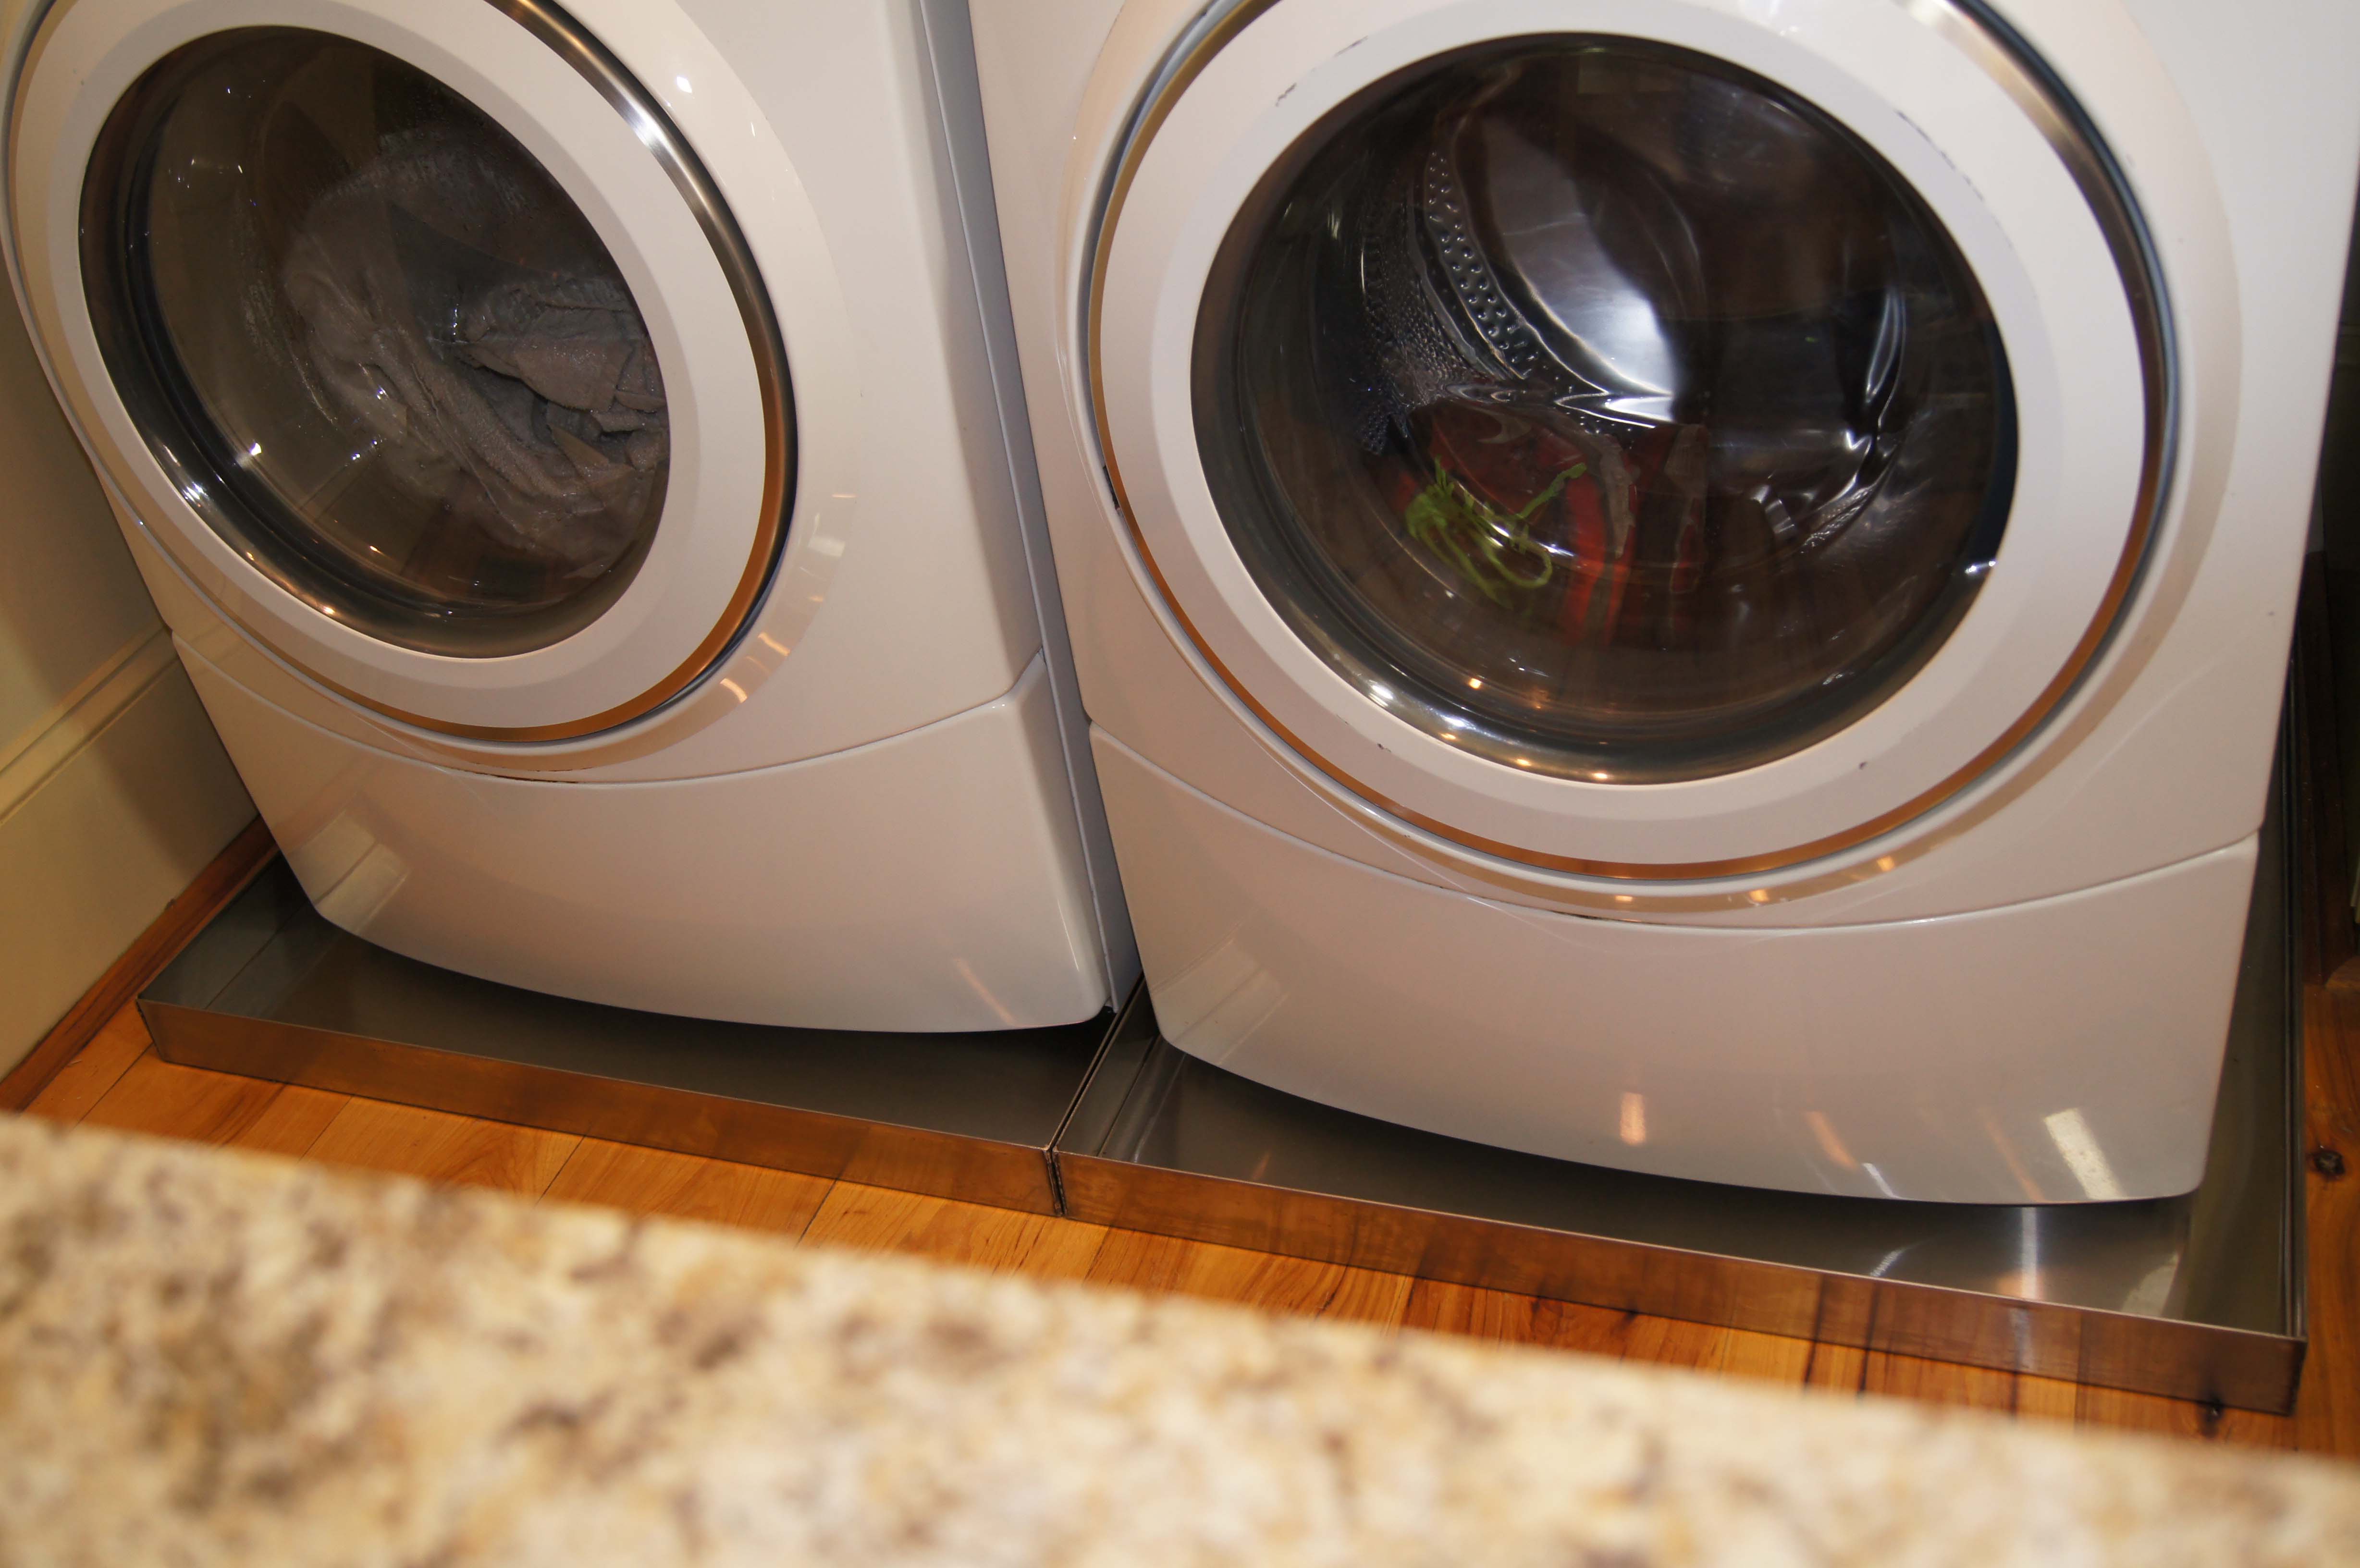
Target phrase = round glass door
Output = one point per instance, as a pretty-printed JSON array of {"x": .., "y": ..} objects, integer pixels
[
  {"x": 378, "y": 348},
  {"x": 1603, "y": 409}
]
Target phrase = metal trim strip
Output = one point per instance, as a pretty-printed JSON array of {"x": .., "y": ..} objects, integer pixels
[{"x": 2176, "y": 1359}]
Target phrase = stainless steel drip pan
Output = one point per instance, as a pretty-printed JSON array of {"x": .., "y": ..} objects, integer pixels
[
  {"x": 270, "y": 989},
  {"x": 2197, "y": 1297}
]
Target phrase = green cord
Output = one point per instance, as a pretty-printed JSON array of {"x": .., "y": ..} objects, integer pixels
[{"x": 1446, "y": 509}]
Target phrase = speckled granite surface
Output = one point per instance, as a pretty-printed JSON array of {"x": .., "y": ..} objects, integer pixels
[{"x": 207, "y": 1358}]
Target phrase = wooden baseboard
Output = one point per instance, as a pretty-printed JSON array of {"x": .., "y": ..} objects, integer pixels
[{"x": 185, "y": 916}]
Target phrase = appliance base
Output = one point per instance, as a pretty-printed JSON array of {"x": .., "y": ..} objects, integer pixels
[
  {"x": 920, "y": 882},
  {"x": 2061, "y": 1051}
]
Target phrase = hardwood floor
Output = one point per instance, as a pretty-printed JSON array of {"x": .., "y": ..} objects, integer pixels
[{"x": 117, "y": 1080}]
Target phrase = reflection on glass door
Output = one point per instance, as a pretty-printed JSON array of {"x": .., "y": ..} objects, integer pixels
[
  {"x": 382, "y": 352},
  {"x": 1604, "y": 410}
]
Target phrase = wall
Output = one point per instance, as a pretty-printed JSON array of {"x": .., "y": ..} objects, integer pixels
[{"x": 113, "y": 792}]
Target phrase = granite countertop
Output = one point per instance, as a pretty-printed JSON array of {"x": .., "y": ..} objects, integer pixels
[{"x": 208, "y": 1357}]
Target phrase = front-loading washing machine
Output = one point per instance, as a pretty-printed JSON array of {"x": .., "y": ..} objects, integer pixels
[
  {"x": 566, "y": 445},
  {"x": 1696, "y": 585}
]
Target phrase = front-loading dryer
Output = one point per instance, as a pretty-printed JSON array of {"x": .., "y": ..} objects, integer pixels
[
  {"x": 1697, "y": 585},
  {"x": 565, "y": 444}
]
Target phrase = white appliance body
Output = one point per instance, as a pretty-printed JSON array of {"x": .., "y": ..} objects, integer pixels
[
  {"x": 1972, "y": 938},
  {"x": 801, "y": 752}
]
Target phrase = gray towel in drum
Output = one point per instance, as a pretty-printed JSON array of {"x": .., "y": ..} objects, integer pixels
[{"x": 524, "y": 396}]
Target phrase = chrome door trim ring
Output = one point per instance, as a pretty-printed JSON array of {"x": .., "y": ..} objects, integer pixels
[
  {"x": 590, "y": 59},
  {"x": 2004, "y": 55}
]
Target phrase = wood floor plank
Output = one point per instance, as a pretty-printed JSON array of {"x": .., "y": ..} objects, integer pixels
[
  {"x": 293, "y": 1122},
  {"x": 685, "y": 1186},
  {"x": 2047, "y": 1399},
  {"x": 1767, "y": 1357},
  {"x": 1444, "y": 1308},
  {"x": 1291, "y": 1285},
  {"x": 1002, "y": 1240},
  {"x": 1441, "y": 1307},
  {"x": 1668, "y": 1341},
  {"x": 407, "y": 1141},
  {"x": 2253, "y": 1429},
  {"x": 1591, "y": 1331},
  {"x": 2121, "y": 1410},
  {"x": 1838, "y": 1369},
  {"x": 2327, "y": 1410},
  {"x": 1939, "y": 1382},
  {"x": 155, "y": 1096},
  {"x": 97, "y": 1067}
]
